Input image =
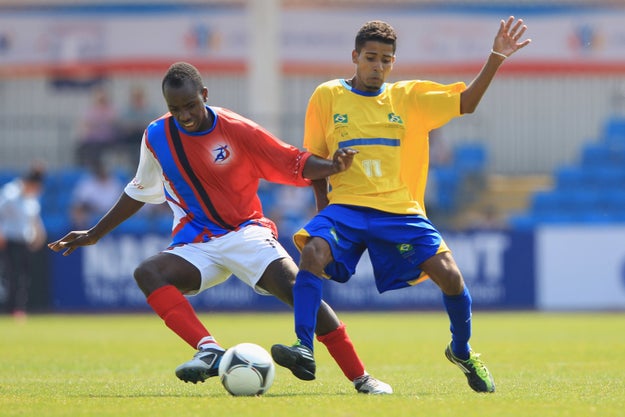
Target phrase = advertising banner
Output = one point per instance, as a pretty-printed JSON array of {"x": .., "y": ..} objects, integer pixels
[
  {"x": 317, "y": 38},
  {"x": 498, "y": 267},
  {"x": 581, "y": 268}
]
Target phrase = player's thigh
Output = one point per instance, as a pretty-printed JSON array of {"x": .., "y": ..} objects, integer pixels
[
  {"x": 206, "y": 258},
  {"x": 167, "y": 269},
  {"x": 333, "y": 241},
  {"x": 248, "y": 253},
  {"x": 279, "y": 278},
  {"x": 398, "y": 246}
]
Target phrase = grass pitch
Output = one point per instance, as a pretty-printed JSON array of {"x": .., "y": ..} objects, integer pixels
[{"x": 564, "y": 365}]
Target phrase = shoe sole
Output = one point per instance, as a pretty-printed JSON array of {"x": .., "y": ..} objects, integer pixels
[
  {"x": 189, "y": 375},
  {"x": 194, "y": 375},
  {"x": 288, "y": 359}
]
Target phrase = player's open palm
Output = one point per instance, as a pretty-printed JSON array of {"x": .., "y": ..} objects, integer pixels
[
  {"x": 508, "y": 37},
  {"x": 73, "y": 240}
]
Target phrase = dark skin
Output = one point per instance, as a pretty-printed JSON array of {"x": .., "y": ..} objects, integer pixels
[
  {"x": 187, "y": 105},
  {"x": 374, "y": 63}
]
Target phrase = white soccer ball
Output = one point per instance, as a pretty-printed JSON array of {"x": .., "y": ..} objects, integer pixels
[{"x": 246, "y": 369}]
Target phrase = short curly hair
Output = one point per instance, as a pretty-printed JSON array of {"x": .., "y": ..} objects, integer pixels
[
  {"x": 181, "y": 72},
  {"x": 377, "y": 31}
]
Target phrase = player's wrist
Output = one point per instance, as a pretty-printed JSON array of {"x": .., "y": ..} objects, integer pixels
[{"x": 499, "y": 54}]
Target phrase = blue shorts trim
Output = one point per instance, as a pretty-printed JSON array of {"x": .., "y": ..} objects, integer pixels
[{"x": 397, "y": 243}]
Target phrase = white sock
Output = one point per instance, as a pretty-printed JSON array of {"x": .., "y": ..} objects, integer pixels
[{"x": 208, "y": 342}]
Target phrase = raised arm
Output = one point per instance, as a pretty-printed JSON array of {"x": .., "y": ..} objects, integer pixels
[{"x": 505, "y": 44}]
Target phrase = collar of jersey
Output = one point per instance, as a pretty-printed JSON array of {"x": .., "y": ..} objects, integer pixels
[
  {"x": 210, "y": 129},
  {"x": 360, "y": 92}
]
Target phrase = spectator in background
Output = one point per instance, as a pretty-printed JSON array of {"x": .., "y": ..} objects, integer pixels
[
  {"x": 21, "y": 233},
  {"x": 133, "y": 120},
  {"x": 94, "y": 194},
  {"x": 97, "y": 130}
]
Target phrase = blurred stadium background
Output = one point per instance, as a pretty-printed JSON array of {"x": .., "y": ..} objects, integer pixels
[{"x": 529, "y": 190}]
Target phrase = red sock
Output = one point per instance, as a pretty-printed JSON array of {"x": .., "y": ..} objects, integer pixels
[
  {"x": 178, "y": 314},
  {"x": 342, "y": 350}
]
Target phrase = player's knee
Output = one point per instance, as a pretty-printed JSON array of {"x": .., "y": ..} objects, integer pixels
[
  {"x": 146, "y": 279},
  {"x": 451, "y": 283},
  {"x": 315, "y": 256}
]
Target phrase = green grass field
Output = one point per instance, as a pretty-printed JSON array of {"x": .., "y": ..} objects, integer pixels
[{"x": 123, "y": 365}]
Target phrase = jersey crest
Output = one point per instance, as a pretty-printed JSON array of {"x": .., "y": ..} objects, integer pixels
[{"x": 221, "y": 155}]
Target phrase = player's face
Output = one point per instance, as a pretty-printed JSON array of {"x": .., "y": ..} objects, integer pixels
[
  {"x": 187, "y": 105},
  {"x": 373, "y": 64}
]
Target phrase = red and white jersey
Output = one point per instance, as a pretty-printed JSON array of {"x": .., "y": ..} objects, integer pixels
[{"x": 210, "y": 179}]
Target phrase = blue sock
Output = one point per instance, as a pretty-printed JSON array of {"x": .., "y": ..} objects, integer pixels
[
  {"x": 459, "y": 310},
  {"x": 306, "y": 301}
]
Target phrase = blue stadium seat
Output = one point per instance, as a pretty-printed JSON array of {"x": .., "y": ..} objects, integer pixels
[
  {"x": 448, "y": 181},
  {"x": 582, "y": 200},
  {"x": 559, "y": 217},
  {"x": 522, "y": 222},
  {"x": 595, "y": 154},
  {"x": 470, "y": 158},
  {"x": 546, "y": 202},
  {"x": 591, "y": 192},
  {"x": 570, "y": 178},
  {"x": 614, "y": 131},
  {"x": 614, "y": 201},
  {"x": 606, "y": 177}
]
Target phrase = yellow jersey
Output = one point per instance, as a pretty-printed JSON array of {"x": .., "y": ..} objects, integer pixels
[{"x": 390, "y": 130}]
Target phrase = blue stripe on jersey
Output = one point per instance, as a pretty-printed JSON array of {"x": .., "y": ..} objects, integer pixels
[
  {"x": 370, "y": 141},
  {"x": 201, "y": 224},
  {"x": 195, "y": 181}
]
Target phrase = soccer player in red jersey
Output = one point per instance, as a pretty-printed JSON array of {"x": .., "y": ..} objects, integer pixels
[{"x": 206, "y": 162}]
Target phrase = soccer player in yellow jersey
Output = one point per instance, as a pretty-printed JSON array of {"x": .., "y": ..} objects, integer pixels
[{"x": 377, "y": 204}]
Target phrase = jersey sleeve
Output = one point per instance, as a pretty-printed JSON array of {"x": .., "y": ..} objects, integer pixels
[
  {"x": 275, "y": 160},
  {"x": 314, "y": 128},
  {"x": 147, "y": 185},
  {"x": 438, "y": 103}
]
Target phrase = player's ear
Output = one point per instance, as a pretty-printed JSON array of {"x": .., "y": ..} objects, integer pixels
[
  {"x": 204, "y": 94},
  {"x": 355, "y": 56}
]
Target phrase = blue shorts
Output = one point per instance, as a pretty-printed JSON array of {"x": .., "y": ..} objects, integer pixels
[{"x": 397, "y": 243}]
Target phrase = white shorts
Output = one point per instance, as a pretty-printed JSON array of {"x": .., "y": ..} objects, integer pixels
[{"x": 245, "y": 253}]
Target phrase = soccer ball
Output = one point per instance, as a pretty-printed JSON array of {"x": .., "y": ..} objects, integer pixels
[{"x": 246, "y": 369}]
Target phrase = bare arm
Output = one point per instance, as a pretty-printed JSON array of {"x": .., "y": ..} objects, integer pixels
[
  {"x": 320, "y": 188},
  {"x": 317, "y": 168},
  {"x": 505, "y": 44},
  {"x": 122, "y": 210}
]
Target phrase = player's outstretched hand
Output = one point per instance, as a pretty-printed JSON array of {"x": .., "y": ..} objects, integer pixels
[
  {"x": 343, "y": 158},
  {"x": 71, "y": 241},
  {"x": 507, "y": 38}
]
